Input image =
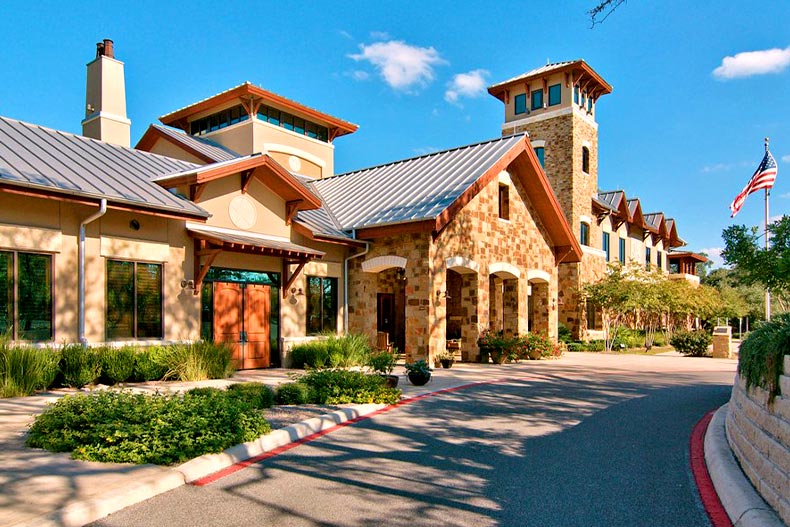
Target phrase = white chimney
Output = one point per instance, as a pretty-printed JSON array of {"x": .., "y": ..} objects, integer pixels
[{"x": 105, "y": 99}]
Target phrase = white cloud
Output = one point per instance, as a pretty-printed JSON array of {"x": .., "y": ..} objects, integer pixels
[
  {"x": 358, "y": 75},
  {"x": 379, "y": 35},
  {"x": 714, "y": 255},
  {"x": 786, "y": 159},
  {"x": 750, "y": 63},
  {"x": 401, "y": 65},
  {"x": 345, "y": 34},
  {"x": 718, "y": 167},
  {"x": 470, "y": 84}
]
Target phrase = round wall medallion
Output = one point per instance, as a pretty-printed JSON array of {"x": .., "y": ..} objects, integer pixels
[
  {"x": 295, "y": 163},
  {"x": 242, "y": 212}
]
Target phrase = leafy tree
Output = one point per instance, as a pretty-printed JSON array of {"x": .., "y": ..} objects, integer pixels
[{"x": 756, "y": 264}]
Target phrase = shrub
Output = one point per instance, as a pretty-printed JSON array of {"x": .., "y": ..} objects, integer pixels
[
  {"x": 79, "y": 366},
  {"x": 761, "y": 357},
  {"x": 123, "y": 427},
  {"x": 564, "y": 333},
  {"x": 149, "y": 364},
  {"x": 117, "y": 364},
  {"x": 24, "y": 370},
  {"x": 693, "y": 343},
  {"x": 383, "y": 362},
  {"x": 345, "y": 386},
  {"x": 257, "y": 394},
  {"x": 197, "y": 361},
  {"x": 294, "y": 393},
  {"x": 576, "y": 346},
  {"x": 332, "y": 352},
  {"x": 536, "y": 346}
]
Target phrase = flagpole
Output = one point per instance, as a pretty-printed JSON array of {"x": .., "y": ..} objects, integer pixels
[{"x": 767, "y": 289}]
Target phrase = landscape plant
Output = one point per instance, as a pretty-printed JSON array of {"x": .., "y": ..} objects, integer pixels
[
  {"x": 149, "y": 364},
  {"x": 197, "y": 361},
  {"x": 382, "y": 362},
  {"x": 163, "y": 429},
  {"x": 761, "y": 356},
  {"x": 25, "y": 370},
  {"x": 257, "y": 394},
  {"x": 692, "y": 343},
  {"x": 117, "y": 364},
  {"x": 332, "y": 351},
  {"x": 79, "y": 365}
]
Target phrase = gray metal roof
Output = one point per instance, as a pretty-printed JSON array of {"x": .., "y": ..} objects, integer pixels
[
  {"x": 210, "y": 149},
  {"x": 249, "y": 239},
  {"x": 39, "y": 158},
  {"x": 412, "y": 189},
  {"x": 537, "y": 71},
  {"x": 320, "y": 221}
]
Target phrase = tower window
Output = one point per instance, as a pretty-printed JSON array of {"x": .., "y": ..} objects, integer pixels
[
  {"x": 576, "y": 95},
  {"x": 537, "y": 99},
  {"x": 622, "y": 251},
  {"x": 585, "y": 160},
  {"x": 555, "y": 94},
  {"x": 541, "y": 153},
  {"x": 605, "y": 245},
  {"x": 504, "y": 202},
  {"x": 647, "y": 258},
  {"x": 520, "y": 102},
  {"x": 584, "y": 235}
]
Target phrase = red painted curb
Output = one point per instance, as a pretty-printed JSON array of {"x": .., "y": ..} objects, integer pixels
[
  {"x": 211, "y": 478},
  {"x": 707, "y": 492}
]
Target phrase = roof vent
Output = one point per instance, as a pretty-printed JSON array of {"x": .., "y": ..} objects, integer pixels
[{"x": 104, "y": 48}]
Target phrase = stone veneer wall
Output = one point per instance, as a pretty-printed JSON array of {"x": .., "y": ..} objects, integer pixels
[{"x": 759, "y": 436}]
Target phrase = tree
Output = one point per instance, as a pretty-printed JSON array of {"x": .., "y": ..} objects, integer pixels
[
  {"x": 755, "y": 264},
  {"x": 602, "y": 10}
]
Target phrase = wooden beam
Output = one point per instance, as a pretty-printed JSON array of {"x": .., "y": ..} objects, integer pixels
[
  {"x": 195, "y": 191},
  {"x": 246, "y": 179},
  {"x": 291, "y": 208},
  {"x": 289, "y": 279},
  {"x": 202, "y": 270}
]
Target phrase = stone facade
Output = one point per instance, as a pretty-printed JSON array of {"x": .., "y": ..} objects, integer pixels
[{"x": 497, "y": 261}]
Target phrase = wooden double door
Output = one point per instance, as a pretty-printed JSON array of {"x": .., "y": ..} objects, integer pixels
[{"x": 241, "y": 318}]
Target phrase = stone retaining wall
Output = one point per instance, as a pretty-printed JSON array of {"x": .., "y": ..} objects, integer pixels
[{"x": 759, "y": 435}]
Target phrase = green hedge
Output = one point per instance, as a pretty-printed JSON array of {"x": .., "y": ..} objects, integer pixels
[
  {"x": 123, "y": 427},
  {"x": 693, "y": 343},
  {"x": 761, "y": 357},
  {"x": 337, "y": 387}
]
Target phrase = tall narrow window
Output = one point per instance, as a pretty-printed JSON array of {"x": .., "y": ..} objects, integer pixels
[
  {"x": 555, "y": 94},
  {"x": 622, "y": 251},
  {"x": 576, "y": 95},
  {"x": 647, "y": 258},
  {"x": 321, "y": 305},
  {"x": 504, "y": 202},
  {"x": 26, "y": 296},
  {"x": 520, "y": 103},
  {"x": 659, "y": 260},
  {"x": 541, "y": 153},
  {"x": 537, "y": 99},
  {"x": 585, "y": 160},
  {"x": 134, "y": 300},
  {"x": 584, "y": 236},
  {"x": 605, "y": 245}
]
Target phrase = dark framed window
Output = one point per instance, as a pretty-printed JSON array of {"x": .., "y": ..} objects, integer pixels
[
  {"x": 585, "y": 160},
  {"x": 589, "y": 104},
  {"x": 520, "y": 103},
  {"x": 575, "y": 95},
  {"x": 537, "y": 99},
  {"x": 622, "y": 250},
  {"x": 594, "y": 321},
  {"x": 134, "y": 300},
  {"x": 584, "y": 235},
  {"x": 647, "y": 258},
  {"x": 504, "y": 202},
  {"x": 541, "y": 153},
  {"x": 555, "y": 94},
  {"x": 26, "y": 296},
  {"x": 659, "y": 260},
  {"x": 605, "y": 245},
  {"x": 321, "y": 305}
]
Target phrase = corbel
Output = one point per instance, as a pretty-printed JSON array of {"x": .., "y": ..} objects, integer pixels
[
  {"x": 201, "y": 270},
  {"x": 288, "y": 278},
  {"x": 246, "y": 179},
  {"x": 195, "y": 191},
  {"x": 291, "y": 208}
]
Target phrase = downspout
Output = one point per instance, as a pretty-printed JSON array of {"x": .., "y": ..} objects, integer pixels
[
  {"x": 345, "y": 279},
  {"x": 81, "y": 270}
]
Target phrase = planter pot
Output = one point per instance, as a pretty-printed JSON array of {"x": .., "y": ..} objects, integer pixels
[
  {"x": 534, "y": 354},
  {"x": 390, "y": 381},
  {"x": 418, "y": 379},
  {"x": 484, "y": 354},
  {"x": 498, "y": 356},
  {"x": 447, "y": 363}
]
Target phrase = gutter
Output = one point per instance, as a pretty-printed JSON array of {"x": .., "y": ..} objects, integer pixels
[
  {"x": 345, "y": 278},
  {"x": 81, "y": 270}
]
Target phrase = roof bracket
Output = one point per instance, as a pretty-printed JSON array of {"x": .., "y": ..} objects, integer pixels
[
  {"x": 195, "y": 191},
  {"x": 202, "y": 270},
  {"x": 288, "y": 278},
  {"x": 246, "y": 179},
  {"x": 291, "y": 208}
]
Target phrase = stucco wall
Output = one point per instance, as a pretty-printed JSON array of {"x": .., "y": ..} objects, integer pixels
[{"x": 759, "y": 435}]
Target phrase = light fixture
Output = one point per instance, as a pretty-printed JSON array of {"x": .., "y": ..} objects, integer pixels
[
  {"x": 400, "y": 273},
  {"x": 294, "y": 293},
  {"x": 442, "y": 294},
  {"x": 187, "y": 284}
]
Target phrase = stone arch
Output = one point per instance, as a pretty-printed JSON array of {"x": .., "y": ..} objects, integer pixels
[
  {"x": 461, "y": 264},
  {"x": 504, "y": 270},
  {"x": 536, "y": 275},
  {"x": 380, "y": 263}
]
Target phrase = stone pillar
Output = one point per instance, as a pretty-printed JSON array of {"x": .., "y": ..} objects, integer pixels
[{"x": 722, "y": 341}]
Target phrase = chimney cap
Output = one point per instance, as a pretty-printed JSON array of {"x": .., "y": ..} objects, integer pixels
[{"x": 105, "y": 48}]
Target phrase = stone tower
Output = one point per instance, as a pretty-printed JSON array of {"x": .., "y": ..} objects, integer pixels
[{"x": 556, "y": 105}]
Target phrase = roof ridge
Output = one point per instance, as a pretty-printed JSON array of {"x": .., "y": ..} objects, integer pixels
[
  {"x": 430, "y": 154},
  {"x": 324, "y": 205}
]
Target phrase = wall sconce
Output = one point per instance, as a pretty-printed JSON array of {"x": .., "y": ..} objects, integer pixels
[
  {"x": 442, "y": 294},
  {"x": 294, "y": 293},
  {"x": 400, "y": 273},
  {"x": 187, "y": 284}
]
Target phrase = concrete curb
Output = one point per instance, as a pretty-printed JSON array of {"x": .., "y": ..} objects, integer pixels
[
  {"x": 77, "y": 514},
  {"x": 743, "y": 504}
]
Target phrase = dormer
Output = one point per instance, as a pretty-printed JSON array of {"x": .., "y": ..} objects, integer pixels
[
  {"x": 544, "y": 91},
  {"x": 250, "y": 120}
]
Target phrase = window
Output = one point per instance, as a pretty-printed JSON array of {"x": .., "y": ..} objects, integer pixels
[
  {"x": 605, "y": 245},
  {"x": 520, "y": 103},
  {"x": 537, "y": 99},
  {"x": 584, "y": 237},
  {"x": 647, "y": 258},
  {"x": 26, "y": 295},
  {"x": 134, "y": 300},
  {"x": 659, "y": 258},
  {"x": 622, "y": 251},
  {"x": 594, "y": 321},
  {"x": 555, "y": 94},
  {"x": 589, "y": 104},
  {"x": 585, "y": 160},
  {"x": 321, "y": 305},
  {"x": 575, "y": 95},
  {"x": 541, "y": 153},
  {"x": 504, "y": 202}
]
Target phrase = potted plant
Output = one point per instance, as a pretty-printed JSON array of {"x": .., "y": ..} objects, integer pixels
[
  {"x": 445, "y": 358},
  {"x": 418, "y": 372},
  {"x": 494, "y": 344},
  {"x": 383, "y": 362}
]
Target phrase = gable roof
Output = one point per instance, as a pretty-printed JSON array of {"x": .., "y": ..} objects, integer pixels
[
  {"x": 51, "y": 163},
  {"x": 579, "y": 72},
  {"x": 204, "y": 149}
]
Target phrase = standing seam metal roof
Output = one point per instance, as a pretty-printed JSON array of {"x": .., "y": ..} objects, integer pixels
[
  {"x": 210, "y": 149},
  {"x": 36, "y": 157},
  {"x": 412, "y": 189}
]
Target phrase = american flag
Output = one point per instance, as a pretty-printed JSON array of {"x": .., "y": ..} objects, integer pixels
[{"x": 763, "y": 178}]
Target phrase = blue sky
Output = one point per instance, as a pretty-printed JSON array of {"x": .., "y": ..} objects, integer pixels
[{"x": 697, "y": 85}]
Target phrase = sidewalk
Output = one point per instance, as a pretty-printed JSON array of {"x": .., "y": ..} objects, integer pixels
[{"x": 45, "y": 489}]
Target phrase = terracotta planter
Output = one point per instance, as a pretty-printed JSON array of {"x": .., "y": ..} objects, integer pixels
[
  {"x": 499, "y": 356},
  {"x": 418, "y": 379},
  {"x": 447, "y": 363}
]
